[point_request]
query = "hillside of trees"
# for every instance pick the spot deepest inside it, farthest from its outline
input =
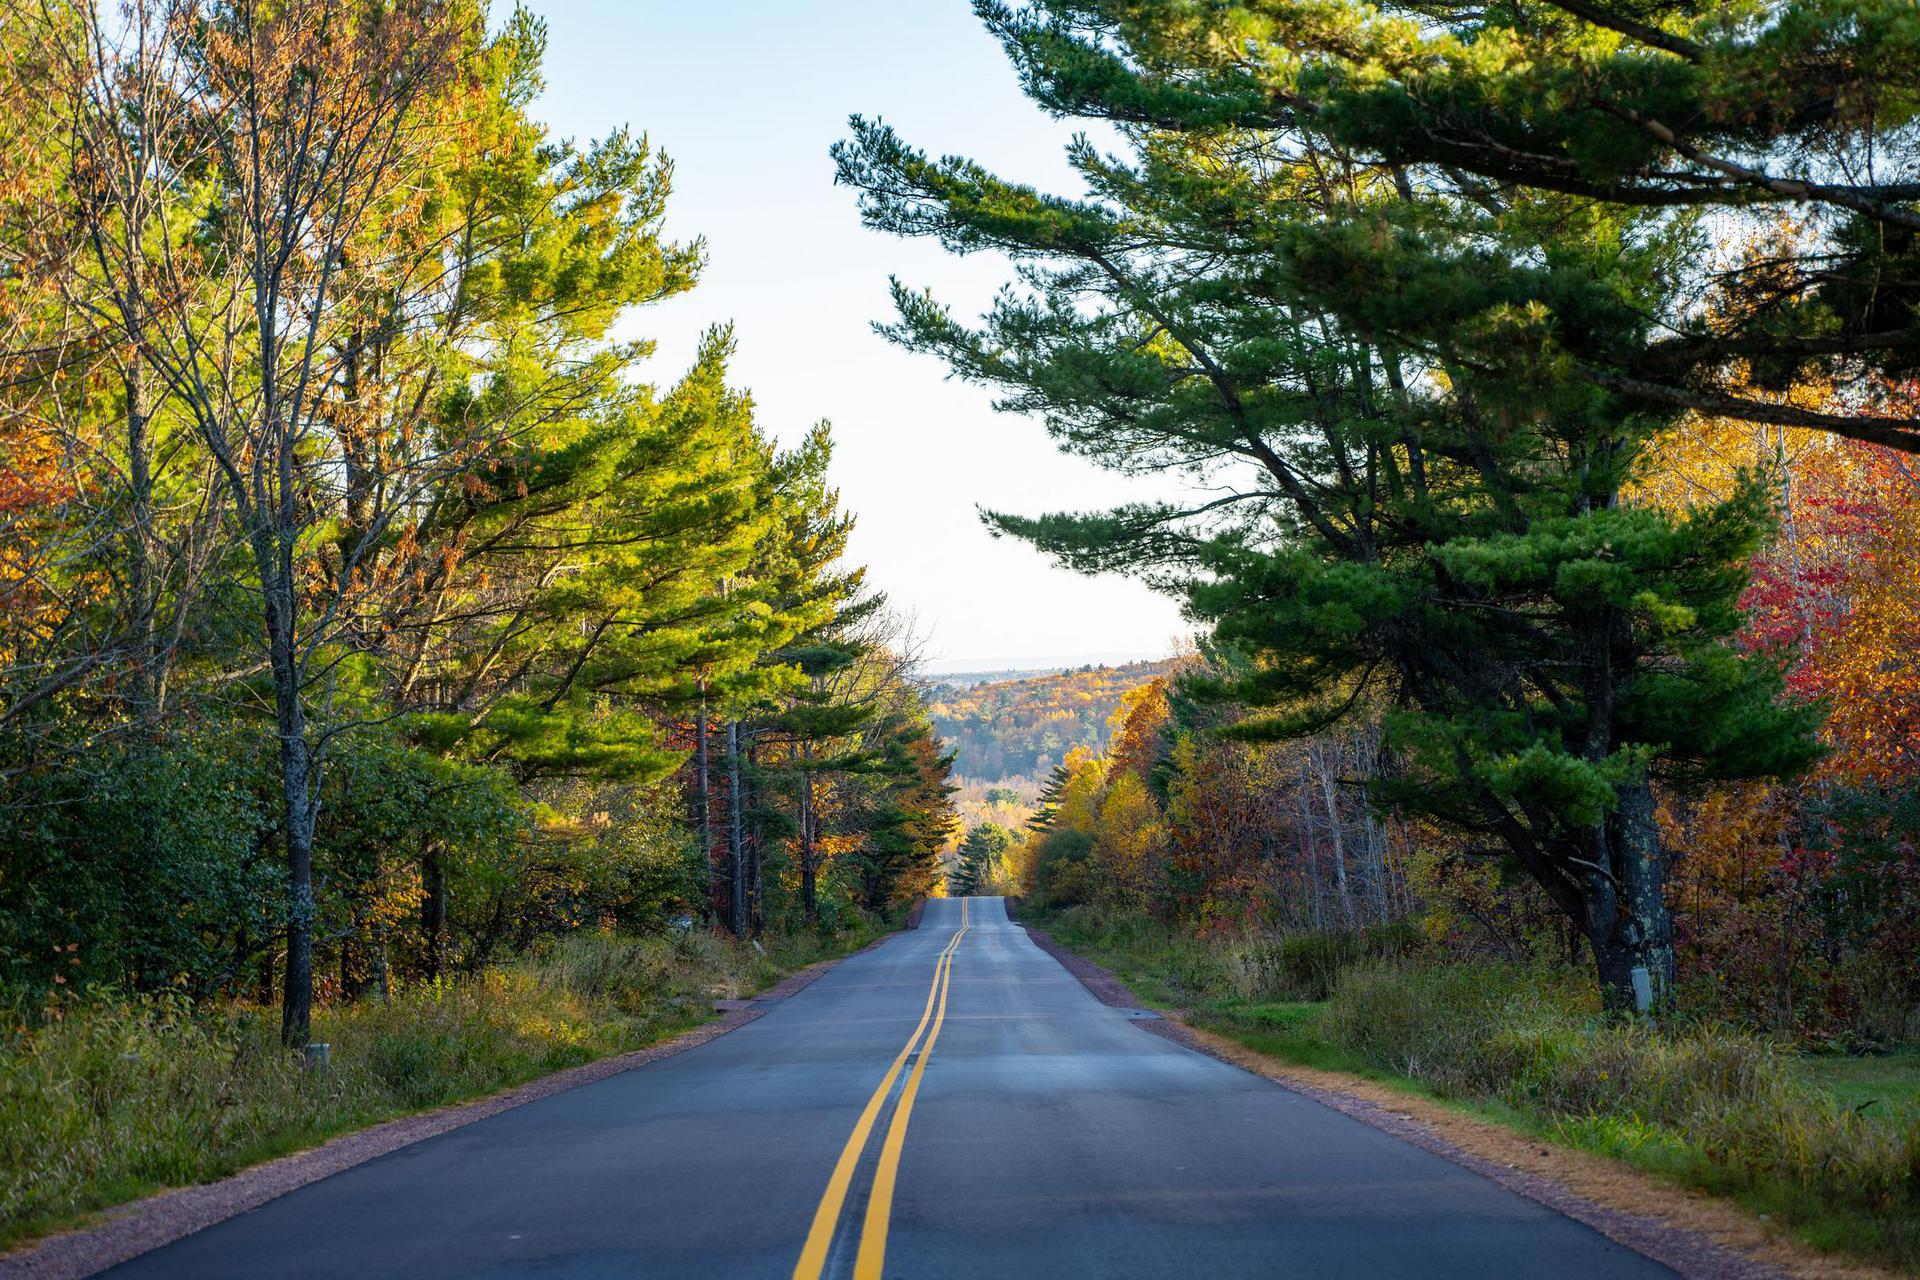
(1014, 731)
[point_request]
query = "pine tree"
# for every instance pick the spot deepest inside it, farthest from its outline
(592, 595)
(982, 855)
(1048, 803)
(1566, 117)
(1415, 512)
(907, 813)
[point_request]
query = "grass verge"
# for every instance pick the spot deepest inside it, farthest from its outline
(109, 1099)
(1827, 1147)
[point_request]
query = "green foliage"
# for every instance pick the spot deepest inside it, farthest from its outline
(623, 859)
(911, 818)
(142, 867)
(417, 690)
(1382, 389)
(1059, 875)
(981, 859)
(1574, 130)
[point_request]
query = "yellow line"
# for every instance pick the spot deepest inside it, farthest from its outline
(873, 1232)
(813, 1256)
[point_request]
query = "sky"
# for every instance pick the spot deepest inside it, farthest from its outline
(746, 96)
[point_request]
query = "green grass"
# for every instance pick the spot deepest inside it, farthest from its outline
(1883, 1087)
(110, 1098)
(1829, 1146)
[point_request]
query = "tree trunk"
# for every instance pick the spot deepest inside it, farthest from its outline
(382, 974)
(756, 915)
(736, 844)
(140, 571)
(809, 901)
(273, 562)
(1627, 922)
(703, 798)
(1323, 768)
(296, 780)
(433, 909)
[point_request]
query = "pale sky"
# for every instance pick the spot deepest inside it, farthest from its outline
(746, 96)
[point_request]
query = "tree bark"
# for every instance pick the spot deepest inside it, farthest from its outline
(433, 909)
(382, 977)
(756, 916)
(703, 799)
(1323, 768)
(296, 778)
(809, 899)
(736, 844)
(1627, 923)
(140, 571)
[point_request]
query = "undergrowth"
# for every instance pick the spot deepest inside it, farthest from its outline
(106, 1098)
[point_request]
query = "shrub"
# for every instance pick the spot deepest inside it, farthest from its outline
(1307, 966)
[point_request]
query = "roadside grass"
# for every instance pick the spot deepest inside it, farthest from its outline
(110, 1098)
(1828, 1146)
(1883, 1087)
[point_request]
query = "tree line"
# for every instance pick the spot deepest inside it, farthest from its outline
(1419, 299)
(365, 610)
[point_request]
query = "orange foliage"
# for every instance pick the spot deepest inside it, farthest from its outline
(1788, 897)
(1837, 594)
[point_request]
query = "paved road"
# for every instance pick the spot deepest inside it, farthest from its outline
(1043, 1135)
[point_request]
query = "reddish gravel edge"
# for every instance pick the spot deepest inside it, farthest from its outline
(141, 1226)
(1688, 1253)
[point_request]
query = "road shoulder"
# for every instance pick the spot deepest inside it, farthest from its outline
(1700, 1237)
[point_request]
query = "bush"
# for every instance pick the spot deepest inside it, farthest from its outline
(1307, 966)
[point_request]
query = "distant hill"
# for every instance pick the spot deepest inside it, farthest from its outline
(968, 679)
(1006, 729)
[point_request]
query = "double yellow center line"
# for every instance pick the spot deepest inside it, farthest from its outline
(873, 1231)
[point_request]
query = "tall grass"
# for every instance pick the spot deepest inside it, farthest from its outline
(108, 1097)
(1254, 966)
(1718, 1107)
(1162, 963)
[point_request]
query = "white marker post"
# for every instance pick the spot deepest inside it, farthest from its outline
(1642, 989)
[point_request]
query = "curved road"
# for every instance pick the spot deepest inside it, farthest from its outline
(1042, 1135)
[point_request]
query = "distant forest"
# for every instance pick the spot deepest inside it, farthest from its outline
(1022, 728)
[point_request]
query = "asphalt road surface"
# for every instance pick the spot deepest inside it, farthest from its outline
(950, 1104)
